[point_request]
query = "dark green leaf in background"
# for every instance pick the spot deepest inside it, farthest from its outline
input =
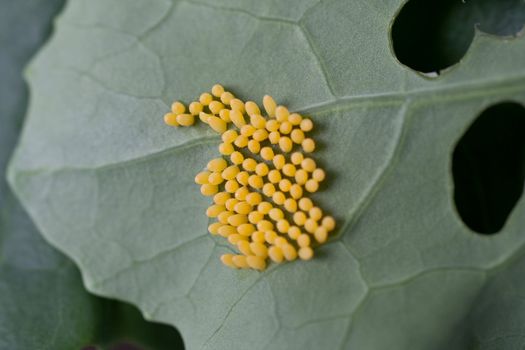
(43, 304)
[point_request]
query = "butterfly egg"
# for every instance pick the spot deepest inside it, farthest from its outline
(237, 118)
(285, 144)
(230, 203)
(257, 237)
(185, 119)
(278, 162)
(264, 225)
(241, 193)
(259, 249)
(231, 186)
(227, 97)
(236, 238)
(249, 164)
(223, 217)
(202, 177)
(276, 214)
(227, 259)
(254, 198)
(320, 234)
(272, 125)
(226, 230)
(289, 252)
(289, 170)
(268, 189)
(240, 261)
(205, 98)
(229, 136)
(283, 226)
(171, 119)
(215, 178)
(244, 247)
(285, 128)
(285, 185)
(258, 121)
(247, 130)
(297, 136)
(217, 90)
(264, 207)
(255, 181)
(256, 262)
(278, 198)
(242, 177)
(236, 158)
(310, 225)
(195, 108)
(318, 175)
(237, 219)
(276, 254)
(308, 164)
(221, 198)
(178, 107)
(296, 191)
(214, 228)
(230, 172)
(294, 232)
(217, 124)
(328, 223)
(306, 253)
(274, 137)
(252, 108)
(214, 210)
(204, 117)
(270, 236)
(301, 176)
(280, 241)
(303, 240)
(315, 213)
(215, 107)
(290, 205)
(267, 153)
(260, 135)
(296, 158)
(299, 218)
(209, 189)
(262, 169)
(217, 164)
(308, 145)
(254, 146)
(226, 149)
(306, 204)
(255, 217)
(281, 113)
(295, 118)
(241, 141)
(243, 208)
(269, 105)
(311, 186)
(237, 105)
(306, 125)
(225, 115)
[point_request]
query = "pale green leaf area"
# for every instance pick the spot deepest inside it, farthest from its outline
(111, 186)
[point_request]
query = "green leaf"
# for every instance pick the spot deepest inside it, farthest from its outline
(111, 186)
(43, 304)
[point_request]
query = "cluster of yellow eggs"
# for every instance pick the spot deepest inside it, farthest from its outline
(259, 183)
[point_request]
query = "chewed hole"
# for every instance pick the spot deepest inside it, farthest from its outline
(488, 167)
(431, 35)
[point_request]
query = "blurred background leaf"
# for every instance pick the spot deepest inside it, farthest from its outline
(43, 304)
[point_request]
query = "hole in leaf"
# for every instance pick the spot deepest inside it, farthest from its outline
(488, 167)
(431, 35)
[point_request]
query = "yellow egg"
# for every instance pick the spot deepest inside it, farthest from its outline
(217, 124)
(267, 153)
(221, 198)
(185, 119)
(252, 108)
(299, 218)
(254, 198)
(308, 164)
(178, 108)
(281, 113)
(209, 190)
(237, 118)
(310, 225)
(205, 98)
(296, 158)
(279, 161)
(249, 164)
(254, 217)
(297, 136)
(294, 232)
(171, 119)
(260, 135)
(296, 191)
(305, 204)
(276, 254)
(240, 261)
(227, 259)
(264, 207)
(285, 144)
(217, 164)
(320, 234)
(237, 158)
(229, 136)
(241, 141)
(328, 223)
(308, 145)
(226, 149)
(295, 119)
(306, 253)
(289, 252)
(274, 137)
(217, 90)
(278, 198)
(215, 178)
(237, 219)
(262, 169)
(230, 172)
(269, 105)
(214, 228)
(311, 186)
(202, 177)
(318, 175)
(290, 205)
(215, 107)
(226, 97)
(255, 181)
(254, 146)
(285, 185)
(306, 125)
(214, 210)
(237, 105)
(272, 125)
(289, 170)
(256, 262)
(242, 177)
(301, 176)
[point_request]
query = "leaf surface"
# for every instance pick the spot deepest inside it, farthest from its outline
(110, 185)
